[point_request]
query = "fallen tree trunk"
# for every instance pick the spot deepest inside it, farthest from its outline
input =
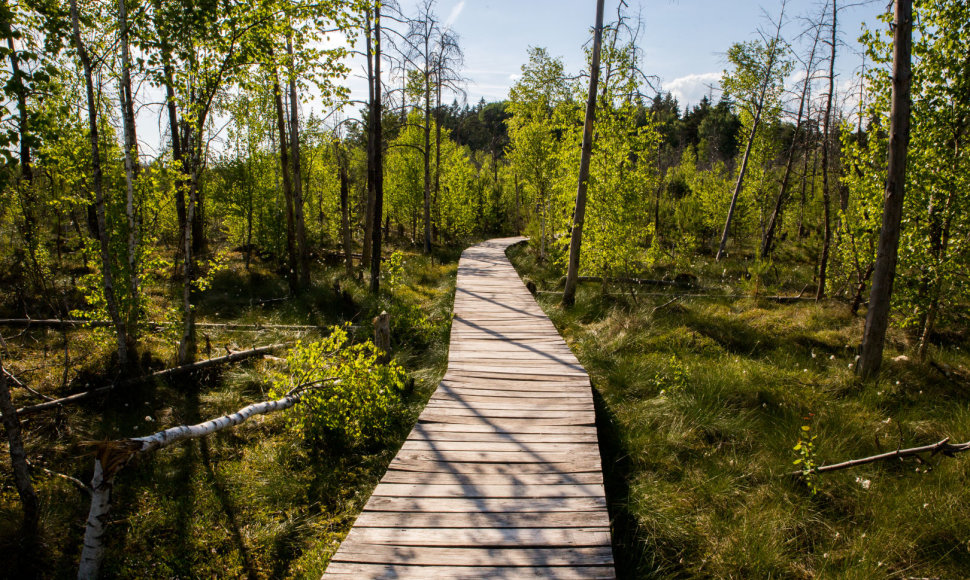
(945, 447)
(640, 281)
(59, 323)
(18, 459)
(112, 456)
(197, 366)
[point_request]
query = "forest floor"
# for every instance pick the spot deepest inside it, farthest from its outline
(701, 401)
(253, 501)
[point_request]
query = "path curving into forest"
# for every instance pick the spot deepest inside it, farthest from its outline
(501, 477)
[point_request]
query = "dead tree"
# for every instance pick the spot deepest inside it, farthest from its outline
(877, 317)
(826, 162)
(576, 240)
(767, 81)
(768, 240)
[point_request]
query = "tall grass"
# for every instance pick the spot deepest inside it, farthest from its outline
(700, 402)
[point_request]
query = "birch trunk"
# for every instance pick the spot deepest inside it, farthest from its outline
(112, 456)
(303, 258)
(131, 176)
(292, 261)
(98, 182)
(18, 457)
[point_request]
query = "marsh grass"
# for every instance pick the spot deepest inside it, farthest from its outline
(251, 502)
(700, 403)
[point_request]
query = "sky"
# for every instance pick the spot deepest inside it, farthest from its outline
(684, 41)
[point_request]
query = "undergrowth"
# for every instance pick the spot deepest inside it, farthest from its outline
(701, 402)
(255, 501)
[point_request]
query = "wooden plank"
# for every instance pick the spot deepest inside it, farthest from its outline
(483, 537)
(492, 556)
(475, 489)
(504, 437)
(486, 505)
(546, 478)
(390, 519)
(511, 446)
(505, 422)
(497, 456)
(402, 572)
(471, 467)
(517, 427)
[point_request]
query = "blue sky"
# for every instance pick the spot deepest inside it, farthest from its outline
(684, 40)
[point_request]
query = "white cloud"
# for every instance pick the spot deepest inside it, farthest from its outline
(690, 89)
(455, 12)
(514, 78)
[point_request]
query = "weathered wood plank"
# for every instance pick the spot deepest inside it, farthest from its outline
(403, 572)
(389, 519)
(482, 537)
(492, 556)
(475, 489)
(486, 505)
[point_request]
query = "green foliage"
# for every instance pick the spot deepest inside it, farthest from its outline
(347, 394)
(805, 449)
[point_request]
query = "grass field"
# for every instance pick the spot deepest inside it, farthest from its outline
(701, 401)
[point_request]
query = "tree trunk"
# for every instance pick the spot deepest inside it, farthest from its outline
(826, 153)
(768, 240)
(292, 264)
(98, 182)
(18, 458)
(576, 239)
(345, 215)
(759, 107)
(132, 168)
(186, 350)
(112, 456)
(371, 143)
(877, 317)
(303, 258)
(427, 149)
(378, 138)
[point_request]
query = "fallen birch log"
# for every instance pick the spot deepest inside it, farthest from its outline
(945, 447)
(112, 456)
(197, 366)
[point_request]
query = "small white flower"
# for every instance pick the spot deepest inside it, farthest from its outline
(850, 365)
(865, 483)
(813, 354)
(926, 505)
(149, 418)
(804, 370)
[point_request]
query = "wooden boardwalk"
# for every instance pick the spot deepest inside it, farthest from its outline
(501, 477)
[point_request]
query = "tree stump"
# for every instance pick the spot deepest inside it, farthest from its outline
(382, 335)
